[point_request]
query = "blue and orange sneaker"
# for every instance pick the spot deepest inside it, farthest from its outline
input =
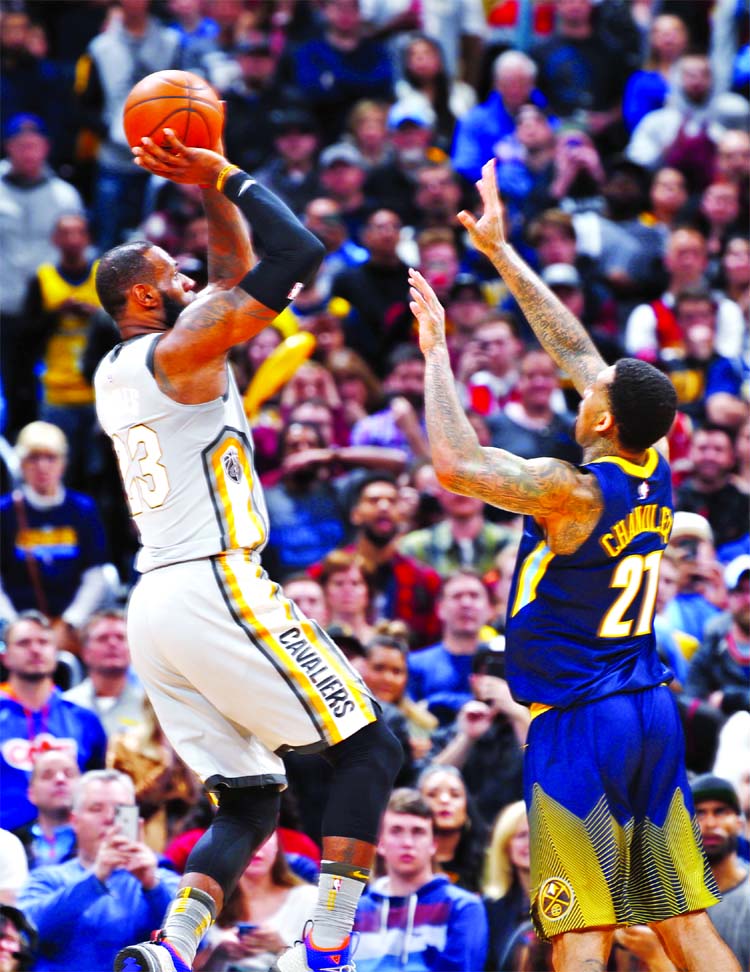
(154, 956)
(306, 957)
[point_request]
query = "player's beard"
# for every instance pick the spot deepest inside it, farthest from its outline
(172, 310)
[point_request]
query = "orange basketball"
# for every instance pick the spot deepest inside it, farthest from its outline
(178, 100)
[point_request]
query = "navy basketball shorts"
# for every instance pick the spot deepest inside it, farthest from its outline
(614, 839)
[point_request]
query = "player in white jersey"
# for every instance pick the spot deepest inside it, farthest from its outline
(236, 673)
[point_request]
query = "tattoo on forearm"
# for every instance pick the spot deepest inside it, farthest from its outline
(541, 487)
(561, 334)
(229, 252)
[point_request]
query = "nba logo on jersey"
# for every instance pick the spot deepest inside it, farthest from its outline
(643, 491)
(232, 465)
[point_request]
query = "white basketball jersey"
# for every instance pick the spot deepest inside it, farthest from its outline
(187, 470)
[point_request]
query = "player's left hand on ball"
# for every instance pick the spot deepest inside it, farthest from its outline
(178, 162)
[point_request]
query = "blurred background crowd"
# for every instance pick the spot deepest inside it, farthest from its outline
(622, 137)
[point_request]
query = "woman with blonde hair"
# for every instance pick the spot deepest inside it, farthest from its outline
(367, 127)
(165, 789)
(506, 881)
(648, 88)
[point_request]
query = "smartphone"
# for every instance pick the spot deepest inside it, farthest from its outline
(245, 927)
(127, 817)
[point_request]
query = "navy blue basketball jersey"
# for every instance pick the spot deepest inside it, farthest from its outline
(580, 626)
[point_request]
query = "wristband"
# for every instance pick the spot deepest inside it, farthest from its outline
(224, 174)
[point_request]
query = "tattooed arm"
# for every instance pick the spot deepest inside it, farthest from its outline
(190, 359)
(560, 333)
(565, 501)
(230, 253)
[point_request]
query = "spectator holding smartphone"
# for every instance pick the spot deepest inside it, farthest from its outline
(486, 738)
(111, 893)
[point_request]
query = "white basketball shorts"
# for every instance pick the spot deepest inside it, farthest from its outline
(236, 673)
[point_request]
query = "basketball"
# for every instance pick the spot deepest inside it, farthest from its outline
(178, 100)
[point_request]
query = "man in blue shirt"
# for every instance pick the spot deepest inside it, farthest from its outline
(34, 716)
(50, 839)
(110, 894)
(440, 674)
(482, 127)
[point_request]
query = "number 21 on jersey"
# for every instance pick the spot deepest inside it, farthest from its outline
(634, 574)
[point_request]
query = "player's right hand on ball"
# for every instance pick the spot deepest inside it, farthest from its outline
(178, 162)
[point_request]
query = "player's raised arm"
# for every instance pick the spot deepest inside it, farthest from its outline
(244, 295)
(545, 488)
(561, 334)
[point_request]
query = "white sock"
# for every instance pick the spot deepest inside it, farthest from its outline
(188, 918)
(339, 890)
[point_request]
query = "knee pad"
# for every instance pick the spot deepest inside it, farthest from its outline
(246, 817)
(365, 766)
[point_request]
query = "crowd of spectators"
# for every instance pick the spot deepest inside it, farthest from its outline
(622, 137)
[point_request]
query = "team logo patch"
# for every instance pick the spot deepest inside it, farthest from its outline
(232, 466)
(555, 899)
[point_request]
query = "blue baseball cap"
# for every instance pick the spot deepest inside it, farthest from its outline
(22, 122)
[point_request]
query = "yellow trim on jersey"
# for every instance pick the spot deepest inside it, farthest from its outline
(538, 708)
(643, 472)
(330, 658)
(534, 567)
(62, 379)
(220, 481)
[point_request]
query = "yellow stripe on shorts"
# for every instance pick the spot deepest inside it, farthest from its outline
(331, 658)
(315, 704)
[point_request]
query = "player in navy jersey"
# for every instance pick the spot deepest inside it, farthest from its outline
(614, 840)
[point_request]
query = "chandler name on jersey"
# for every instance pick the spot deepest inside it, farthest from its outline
(187, 470)
(580, 626)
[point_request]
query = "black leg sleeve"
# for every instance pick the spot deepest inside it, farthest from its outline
(246, 817)
(365, 766)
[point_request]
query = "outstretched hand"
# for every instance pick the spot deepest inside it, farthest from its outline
(428, 311)
(488, 231)
(179, 162)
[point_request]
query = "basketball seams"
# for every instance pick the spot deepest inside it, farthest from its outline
(173, 120)
(173, 99)
(180, 97)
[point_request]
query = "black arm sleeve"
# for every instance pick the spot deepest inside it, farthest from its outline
(291, 253)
